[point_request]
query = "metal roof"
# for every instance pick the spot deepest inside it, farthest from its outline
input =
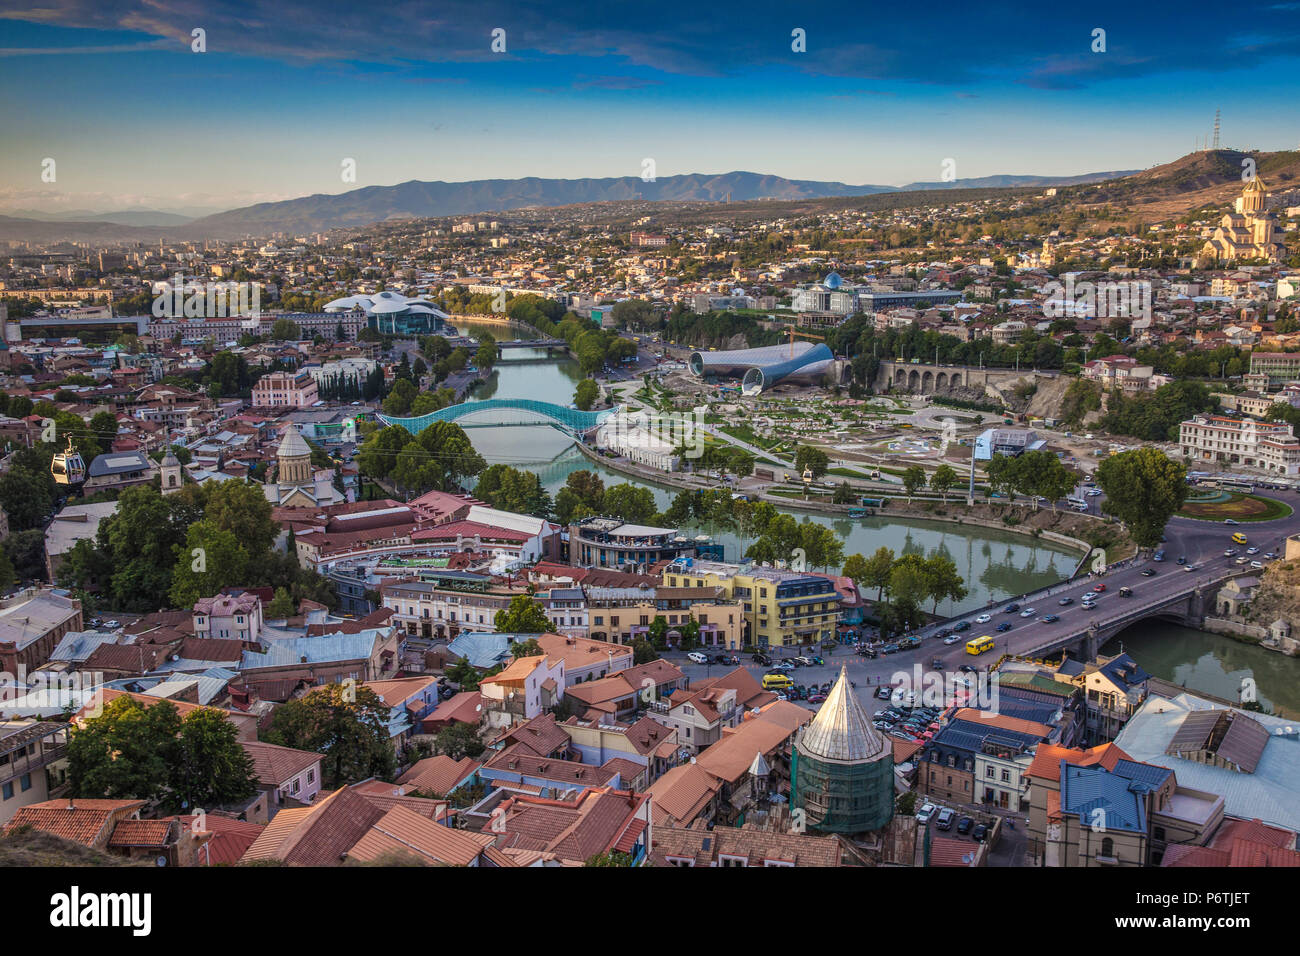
(842, 730)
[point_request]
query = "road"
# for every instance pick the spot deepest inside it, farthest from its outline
(1201, 542)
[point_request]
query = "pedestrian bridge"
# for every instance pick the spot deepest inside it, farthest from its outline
(496, 412)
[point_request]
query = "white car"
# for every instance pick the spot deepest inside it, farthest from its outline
(697, 658)
(1257, 565)
(1252, 550)
(983, 618)
(1028, 612)
(926, 812)
(952, 639)
(1093, 492)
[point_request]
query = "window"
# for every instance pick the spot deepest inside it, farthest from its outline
(733, 861)
(311, 776)
(1107, 848)
(26, 782)
(7, 790)
(1006, 776)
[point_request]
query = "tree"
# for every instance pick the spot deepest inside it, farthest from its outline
(281, 606)
(643, 651)
(209, 768)
(844, 494)
(583, 495)
(346, 724)
(1144, 489)
(610, 858)
(398, 401)
(285, 330)
(876, 569)
(943, 479)
(913, 480)
(510, 489)
(943, 581)
(241, 508)
(125, 753)
(210, 559)
(526, 648)
(458, 741)
(811, 458)
(633, 504)
(585, 395)
(522, 616)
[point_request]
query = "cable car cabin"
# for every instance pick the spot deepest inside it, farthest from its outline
(67, 466)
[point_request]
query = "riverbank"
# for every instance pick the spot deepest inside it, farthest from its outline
(1061, 528)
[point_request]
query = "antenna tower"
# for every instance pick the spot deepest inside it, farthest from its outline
(1216, 129)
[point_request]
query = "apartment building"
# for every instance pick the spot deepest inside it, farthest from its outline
(285, 390)
(445, 604)
(1280, 367)
(1268, 446)
(781, 608)
(29, 750)
(613, 543)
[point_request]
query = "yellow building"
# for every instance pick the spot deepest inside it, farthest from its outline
(781, 608)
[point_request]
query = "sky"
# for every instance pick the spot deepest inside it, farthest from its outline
(282, 94)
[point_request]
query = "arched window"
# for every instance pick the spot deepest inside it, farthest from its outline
(1107, 847)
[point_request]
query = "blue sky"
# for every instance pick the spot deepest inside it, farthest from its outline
(285, 92)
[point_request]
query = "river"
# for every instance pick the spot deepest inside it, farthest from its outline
(994, 564)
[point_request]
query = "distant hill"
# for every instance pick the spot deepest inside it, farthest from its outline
(124, 217)
(418, 199)
(1011, 182)
(1206, 178)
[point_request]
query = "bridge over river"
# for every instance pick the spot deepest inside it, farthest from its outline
(496, 412)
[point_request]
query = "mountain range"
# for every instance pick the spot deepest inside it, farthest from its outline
(419, 199)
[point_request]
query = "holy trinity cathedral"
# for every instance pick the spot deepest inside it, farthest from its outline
(1248, 233)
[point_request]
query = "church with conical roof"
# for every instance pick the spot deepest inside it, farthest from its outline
(843, 768)
(297, 483)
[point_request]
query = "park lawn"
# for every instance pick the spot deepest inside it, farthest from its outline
(1238, 507)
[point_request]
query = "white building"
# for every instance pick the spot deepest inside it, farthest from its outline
(1268, 446)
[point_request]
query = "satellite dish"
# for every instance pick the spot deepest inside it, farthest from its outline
(160, 861)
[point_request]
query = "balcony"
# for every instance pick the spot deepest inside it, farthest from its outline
(20, 764)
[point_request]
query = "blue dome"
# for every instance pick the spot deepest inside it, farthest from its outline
(833, 280)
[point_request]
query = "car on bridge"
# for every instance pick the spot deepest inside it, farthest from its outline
(1065, 601)
(1028, 612)
(1252, 550)
(961, 626)
(1158, 556)
(1099, 588)
(1257, 565)
(1011, 608)
(1126, 592)
(983, 618)
(1148, 572)
(1190, 567)
(1050, 618)
(1004, 627)
(952, 639)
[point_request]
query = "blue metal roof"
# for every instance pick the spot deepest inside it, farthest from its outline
(1085, 790)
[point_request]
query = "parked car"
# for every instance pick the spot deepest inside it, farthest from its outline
(889, 648)
(944, 820)
(761, 659)
(981, 832)
(869, 652)
(112, 624)
(817, 698)
(965, 824)
(925, 813)
(883, 692)
(803, 661)
(696, 657)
